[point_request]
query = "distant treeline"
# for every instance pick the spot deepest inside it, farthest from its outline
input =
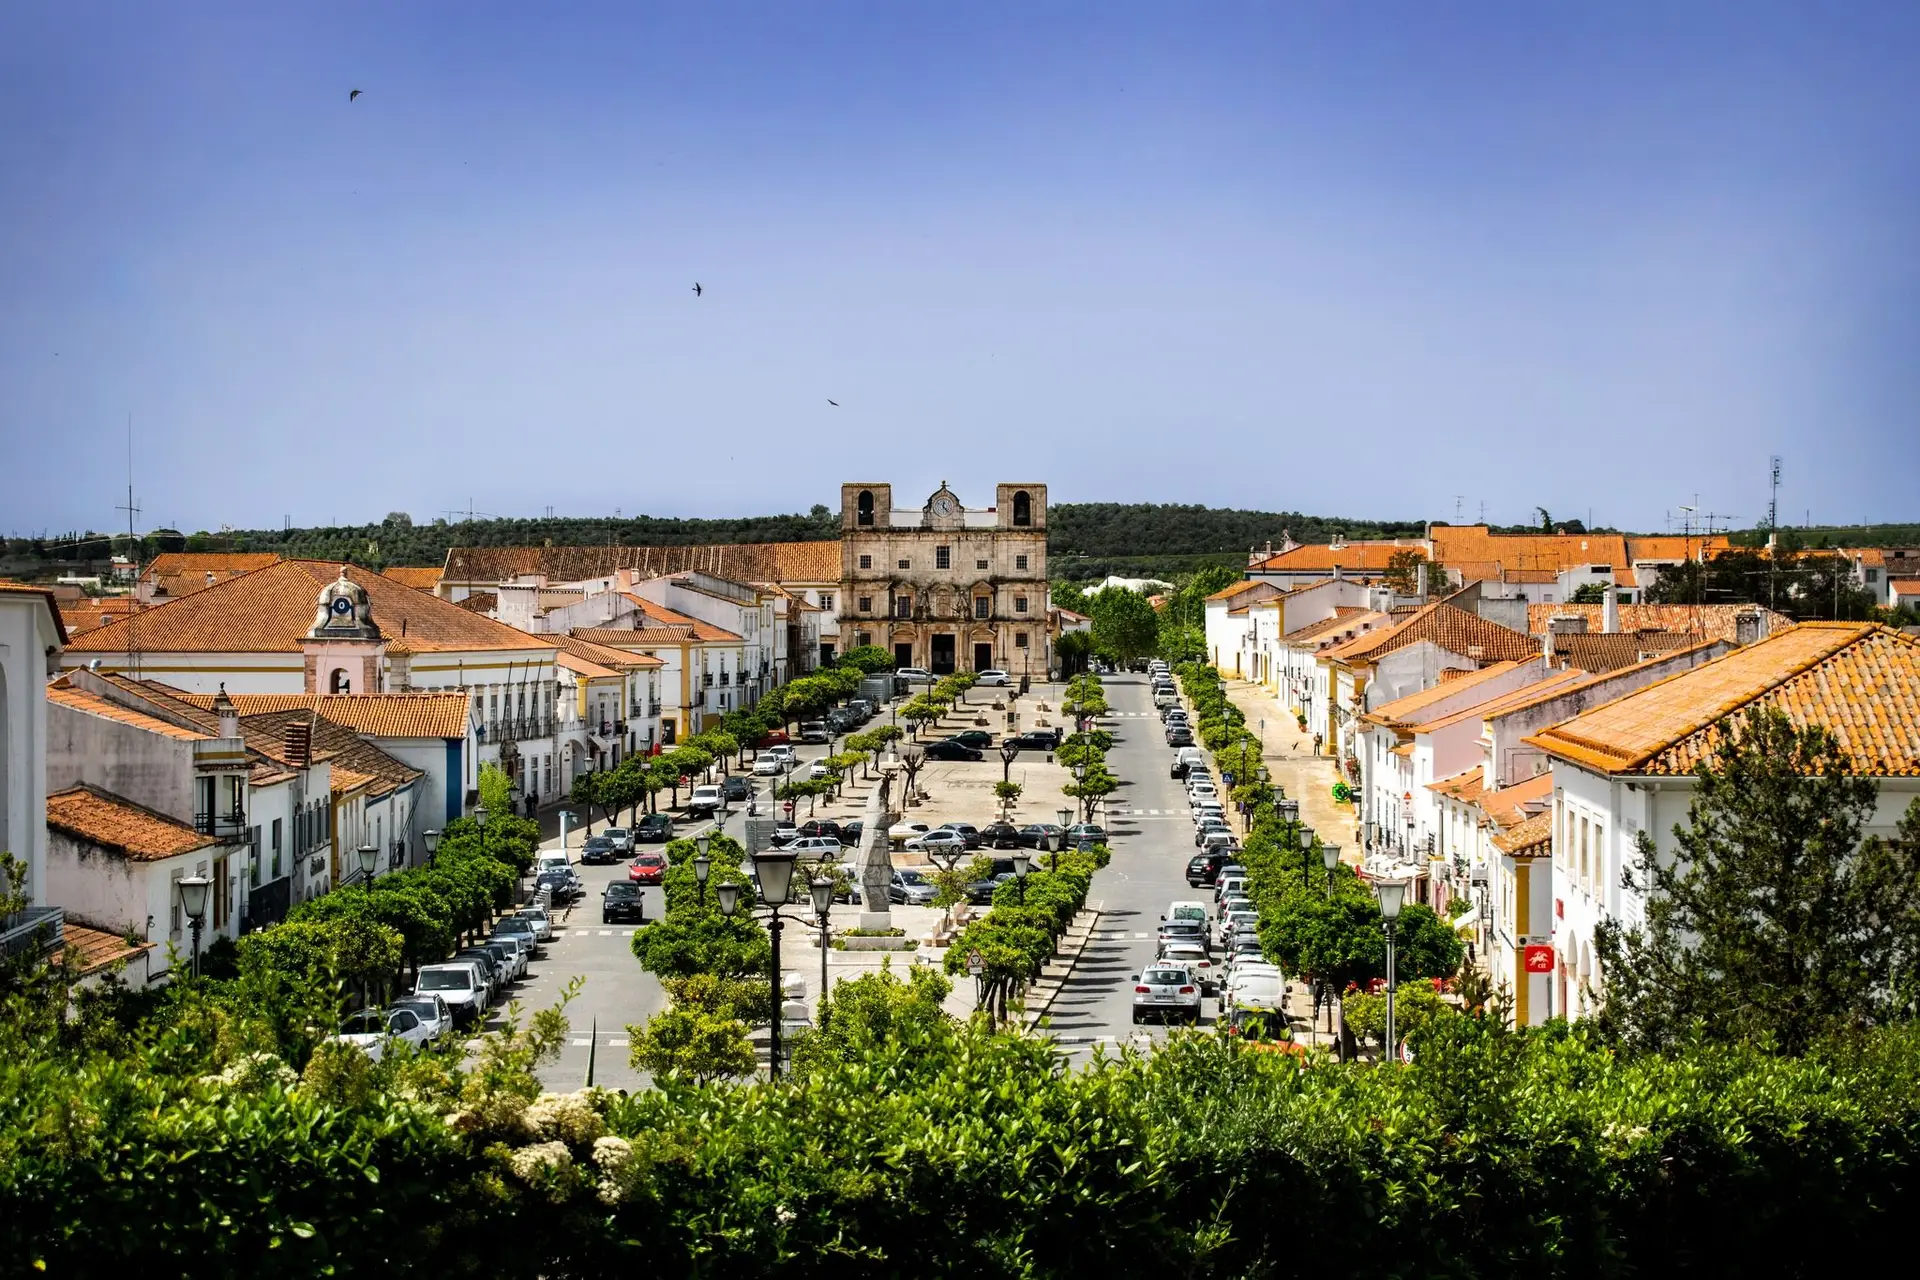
(1087, 540)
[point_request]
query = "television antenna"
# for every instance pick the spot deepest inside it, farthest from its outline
(133, 559)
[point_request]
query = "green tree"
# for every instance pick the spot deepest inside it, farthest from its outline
(1125, 626)
(693, 1041)
(1590, 593)
(1772, 921)
(496, 790)
(870, 659)
(872, 1010)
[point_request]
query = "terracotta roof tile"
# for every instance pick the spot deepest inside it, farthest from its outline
(355, 760)
(1860, 680)
(1675, 548)
(1324, 559)
(638, 637)
(61, 694)
(1450, 627)
(790, 562)
(1716, 621)
(1238, 588)
(601, 654)
(1345, 618)
(1508, 806)
(1406, 710)
(1468, 786)
(182, 573)
(660, 615)
(1499, 703)
(1905, 587)
(591, 670)
(1602, 651)
(1508, 554)
(121, 826)
(419, 578)
(378, 715)
(270, 609)
(1533, 837)
(86, 950)
(482, 602)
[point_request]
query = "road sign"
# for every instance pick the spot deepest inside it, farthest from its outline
(760, 834)
(1539, 959)
(976, 964)
(1406, 1052)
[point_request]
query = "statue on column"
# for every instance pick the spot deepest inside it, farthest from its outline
(874, 858)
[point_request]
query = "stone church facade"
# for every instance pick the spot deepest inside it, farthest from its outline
(946, 586)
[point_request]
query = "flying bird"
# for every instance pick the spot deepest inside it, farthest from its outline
(696, 288)
(834, 403)
(353, 95)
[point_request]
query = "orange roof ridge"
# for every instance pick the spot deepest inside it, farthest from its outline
(113, 822)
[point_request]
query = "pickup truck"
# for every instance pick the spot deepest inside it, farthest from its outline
(703, 799)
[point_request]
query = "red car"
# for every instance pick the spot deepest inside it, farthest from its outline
(648, 868)
(774, 738)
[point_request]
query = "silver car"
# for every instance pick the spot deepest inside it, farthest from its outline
(1166, 991)
(1193, 957)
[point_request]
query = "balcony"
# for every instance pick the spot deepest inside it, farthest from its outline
(37, 929)
(653, 708)
(221, 826)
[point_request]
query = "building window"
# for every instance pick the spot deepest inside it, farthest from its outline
(866, 562)
(866, 604)
(826, 600)
(983, 606)
(903, 606)
(1019, 562)
(943, 557)
(1019, 639)
(1019, 604)
(1022, 508)
(1873, 575)
(276, 848)
(340, 683)
(979, 564)
(864, 514)
(905, 564)
(863, 638)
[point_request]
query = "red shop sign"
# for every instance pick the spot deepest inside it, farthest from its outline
(1539, 959)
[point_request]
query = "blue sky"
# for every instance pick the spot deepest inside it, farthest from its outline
(1348, 259)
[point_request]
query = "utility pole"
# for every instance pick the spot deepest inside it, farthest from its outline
(133, 558)
(1773, 531)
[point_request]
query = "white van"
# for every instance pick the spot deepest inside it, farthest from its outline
(1186, 909)
(1254, 991)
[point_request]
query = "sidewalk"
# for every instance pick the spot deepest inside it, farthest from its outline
(1304, 776)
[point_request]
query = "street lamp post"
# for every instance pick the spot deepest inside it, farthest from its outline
(822, 890)
(1392, 893)
(1021, 865)
(431, 839)
(702, 864)
(1330, 855)
(193, 900)
(1304, 845)
(1065, 816)
(775, 868)
(369, 855)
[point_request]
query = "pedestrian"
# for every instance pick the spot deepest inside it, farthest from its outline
(1316, 744)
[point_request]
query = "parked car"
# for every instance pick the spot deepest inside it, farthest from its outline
(512, 961)
(1193, 931)
(968, 832)
(907, 831)
(1089, 831)
(815, 731)
(521, 926)
(460, 986)
(1205, 826)
(822, 827)
(655, 828)
(648, 868)
(621, 837)
(772, 738)
(432, 1011)
(910, 888)
(598, 849)
(851, 833)
(980, 892)
(819, 769)
(951, 750)
(1040, 835)
(912, 675)
(978, 739)
(1036, 740)
(703, 799)
(542, 924)
(736, 787)
(562, 883)
(1178, 735)
(992, 676)
(816, 848)
(770, 766)
(942, 841)
(622, 900)
(375, 1031)
(1166, 991)
(1000, 835)
(1196, 962)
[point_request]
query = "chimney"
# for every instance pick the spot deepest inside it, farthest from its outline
(1339, 574)
(299, 744)
(1561, 625)
(209, 577)
(1610, 610)
(229, 716)
(1749, 627)
(1420, 580)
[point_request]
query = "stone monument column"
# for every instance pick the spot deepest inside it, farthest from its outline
(875, 855)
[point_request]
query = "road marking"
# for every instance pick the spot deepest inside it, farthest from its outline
(581, 1044)
(1142, 935)
(606, 933)
(618, 1044)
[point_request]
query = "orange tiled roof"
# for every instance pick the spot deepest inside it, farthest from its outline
(660, 615)
(419, 578)
(1458, 546)
(637, 637)
(1601, 651)
(1451, 628)
(1500, 703)
(96, 611)
(482, 602)
(87, 950)
(53, 605)
(1718, 621)
(270, 609)
(121, 826)
(591, 670)
(1904, 587)
(1344, 616)
(181, 573)
(378, 715)
(1406, 710)
(1510, 805)
(1325, 559)
(1238, 588)
(1675, 548)
(355, 761)
(1860, 680)
(1468, 786)
(602, 655)
(61, 693)
(1534, 837)
(799, 562)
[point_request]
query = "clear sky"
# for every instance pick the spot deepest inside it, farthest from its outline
(1355, 259)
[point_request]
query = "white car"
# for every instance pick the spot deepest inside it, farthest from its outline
(782, 750)
(914, 675)
(819, 770)
(907, 830)
(1194, 957)
(941, 841)
(551, 862)
(816, 848)
(542, 925)
(459, 984)
(769, 766)
(703, 799)
(992, 676)
(373, 1031)
(432, 1012)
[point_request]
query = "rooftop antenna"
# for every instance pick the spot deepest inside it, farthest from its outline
(1483, 511)
(1458, 498)
(1773, 502)
(133, 557)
